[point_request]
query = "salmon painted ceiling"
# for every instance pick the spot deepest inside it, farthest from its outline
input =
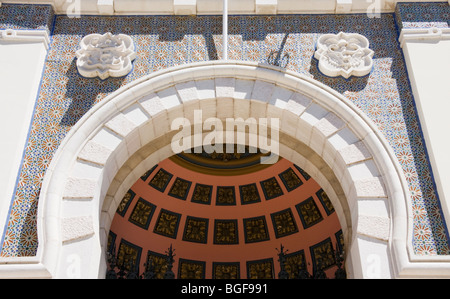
(226, 216)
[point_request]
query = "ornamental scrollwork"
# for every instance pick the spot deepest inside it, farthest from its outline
(105, 55)
(344, 54)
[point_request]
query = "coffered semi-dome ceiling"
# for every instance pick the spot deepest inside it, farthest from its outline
(226, 216)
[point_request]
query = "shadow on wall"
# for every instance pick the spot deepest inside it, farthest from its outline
(83, 93)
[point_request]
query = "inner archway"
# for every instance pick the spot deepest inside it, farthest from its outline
(227, 216)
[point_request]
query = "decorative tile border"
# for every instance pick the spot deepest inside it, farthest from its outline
(26, 16)
(163, 41)
(423, 15)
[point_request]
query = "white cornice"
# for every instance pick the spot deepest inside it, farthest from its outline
(208, 7)
(24, 36)
(423, 34)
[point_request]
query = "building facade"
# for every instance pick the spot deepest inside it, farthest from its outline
(104, 100)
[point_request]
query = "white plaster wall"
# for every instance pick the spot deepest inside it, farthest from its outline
(21, 65)
(428, 63)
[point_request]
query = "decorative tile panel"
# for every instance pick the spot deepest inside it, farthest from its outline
(189, 269)
(271, 188)
(226, 270)
(255, 229)
(225, 196)
(26, 16)
(295, 262)
(158, 262)
(423, 15)
(180, 188)
(226, 232)
(167, 224)
(322, 254)
(325, 200)
(290, 179)
(249, 194)
(260, 269)
(142, 213)
(309, 212)
(284, 223)
(161, 180)
(125, 202)
(128, 255)
(202, 194)
(196, 230)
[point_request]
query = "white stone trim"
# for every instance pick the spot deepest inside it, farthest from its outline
(351, 160)
(214, 7)
(24, 36)
(433, 34)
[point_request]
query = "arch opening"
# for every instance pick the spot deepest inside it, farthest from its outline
(227, 216)
(130, 132)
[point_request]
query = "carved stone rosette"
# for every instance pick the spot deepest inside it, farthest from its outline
(105, 55)
(344, 54)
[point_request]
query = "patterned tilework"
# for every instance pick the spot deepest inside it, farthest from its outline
(164, 41)
(423, 15)
(26, 16)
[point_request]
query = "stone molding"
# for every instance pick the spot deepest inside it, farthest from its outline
(25, 36)
(433, 34)
(209, 7)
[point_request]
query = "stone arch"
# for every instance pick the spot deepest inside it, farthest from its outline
(129, 131)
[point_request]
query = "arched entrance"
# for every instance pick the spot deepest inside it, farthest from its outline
(226, 215)
(129, 132)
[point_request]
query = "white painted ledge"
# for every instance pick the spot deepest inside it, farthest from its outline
(23, 36)
(214, 7)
